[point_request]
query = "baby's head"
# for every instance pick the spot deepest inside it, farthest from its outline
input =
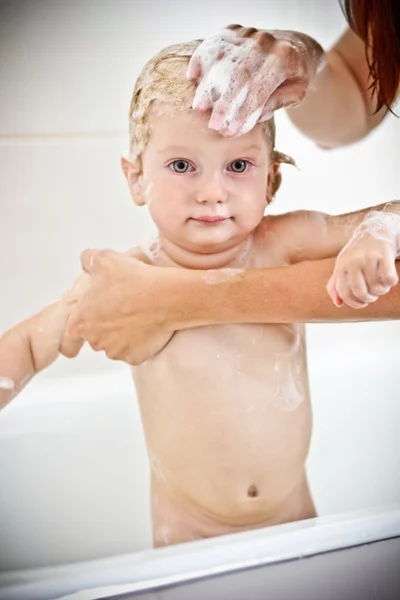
(204, 191)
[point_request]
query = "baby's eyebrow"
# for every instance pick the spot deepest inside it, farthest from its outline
(175, 149)
(252, 148)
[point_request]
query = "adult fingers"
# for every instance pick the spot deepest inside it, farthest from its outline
(71, 342)
(92, 261)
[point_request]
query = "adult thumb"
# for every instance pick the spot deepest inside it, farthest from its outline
(88, 260)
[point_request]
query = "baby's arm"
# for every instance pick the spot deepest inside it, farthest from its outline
(313, 235)
(367, 243)
(32, 345)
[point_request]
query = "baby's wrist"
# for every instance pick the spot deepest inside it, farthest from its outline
(381, 225)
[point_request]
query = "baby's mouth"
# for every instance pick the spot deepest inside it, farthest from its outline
(209, 220)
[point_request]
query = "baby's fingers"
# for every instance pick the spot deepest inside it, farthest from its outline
(380, 274)
(332, 291)
(344, 286)
(386, 275)
(359, 288)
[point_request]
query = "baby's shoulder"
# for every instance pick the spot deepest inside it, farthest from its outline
(289, 224)
(276, 236)
(277, 228)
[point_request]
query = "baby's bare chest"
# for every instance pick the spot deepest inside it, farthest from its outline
(244, 344)
(231, 361)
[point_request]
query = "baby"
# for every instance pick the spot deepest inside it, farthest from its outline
(225, 409)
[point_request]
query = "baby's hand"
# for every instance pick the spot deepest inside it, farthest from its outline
(244, 75)
(365, 268)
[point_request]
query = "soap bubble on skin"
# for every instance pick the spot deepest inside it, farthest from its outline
(155, 466)
(222, 58)
(237, 103)
(220, 73)
(151, 248)
(250, 122)
(147, 193)
(7, 384)
(290, 392)
(24, 381)
(215, 276)
(162, 534)
(380, 225)
(209, 50)
(221, 210)
(224, 61)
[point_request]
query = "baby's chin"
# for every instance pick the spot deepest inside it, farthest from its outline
(205, 256)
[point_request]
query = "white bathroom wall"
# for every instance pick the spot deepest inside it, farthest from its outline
(67, 70)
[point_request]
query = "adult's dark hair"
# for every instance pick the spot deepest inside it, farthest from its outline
(377, 22)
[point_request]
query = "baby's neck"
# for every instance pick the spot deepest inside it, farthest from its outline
(175, 256)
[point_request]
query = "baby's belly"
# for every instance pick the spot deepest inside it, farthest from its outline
(227, 418)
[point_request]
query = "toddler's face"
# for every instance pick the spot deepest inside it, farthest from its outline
(205, 193)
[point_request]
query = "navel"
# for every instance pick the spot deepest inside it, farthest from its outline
(252, 492)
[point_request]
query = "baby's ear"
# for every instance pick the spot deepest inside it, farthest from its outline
(135, 181)
(274, 181)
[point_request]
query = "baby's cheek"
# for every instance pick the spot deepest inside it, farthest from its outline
(165, 211)
(249, 217)
(253, 205)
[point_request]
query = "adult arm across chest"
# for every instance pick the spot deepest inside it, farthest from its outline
(132, 309)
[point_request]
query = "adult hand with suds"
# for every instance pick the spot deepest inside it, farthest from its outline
(334, 97)
(244, 75)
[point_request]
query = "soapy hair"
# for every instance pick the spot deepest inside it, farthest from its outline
(163, 80)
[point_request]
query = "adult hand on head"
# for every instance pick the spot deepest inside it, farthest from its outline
(121, 310)
(245, 74)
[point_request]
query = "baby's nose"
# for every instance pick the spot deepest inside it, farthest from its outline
(212, 190)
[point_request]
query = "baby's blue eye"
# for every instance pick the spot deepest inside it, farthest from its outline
(238, 166)
(180, 166)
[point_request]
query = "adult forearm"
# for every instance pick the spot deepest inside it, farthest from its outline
(333, 112)
(338, 108)
(276, 295)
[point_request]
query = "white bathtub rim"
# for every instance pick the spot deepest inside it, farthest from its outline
(105, 578)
